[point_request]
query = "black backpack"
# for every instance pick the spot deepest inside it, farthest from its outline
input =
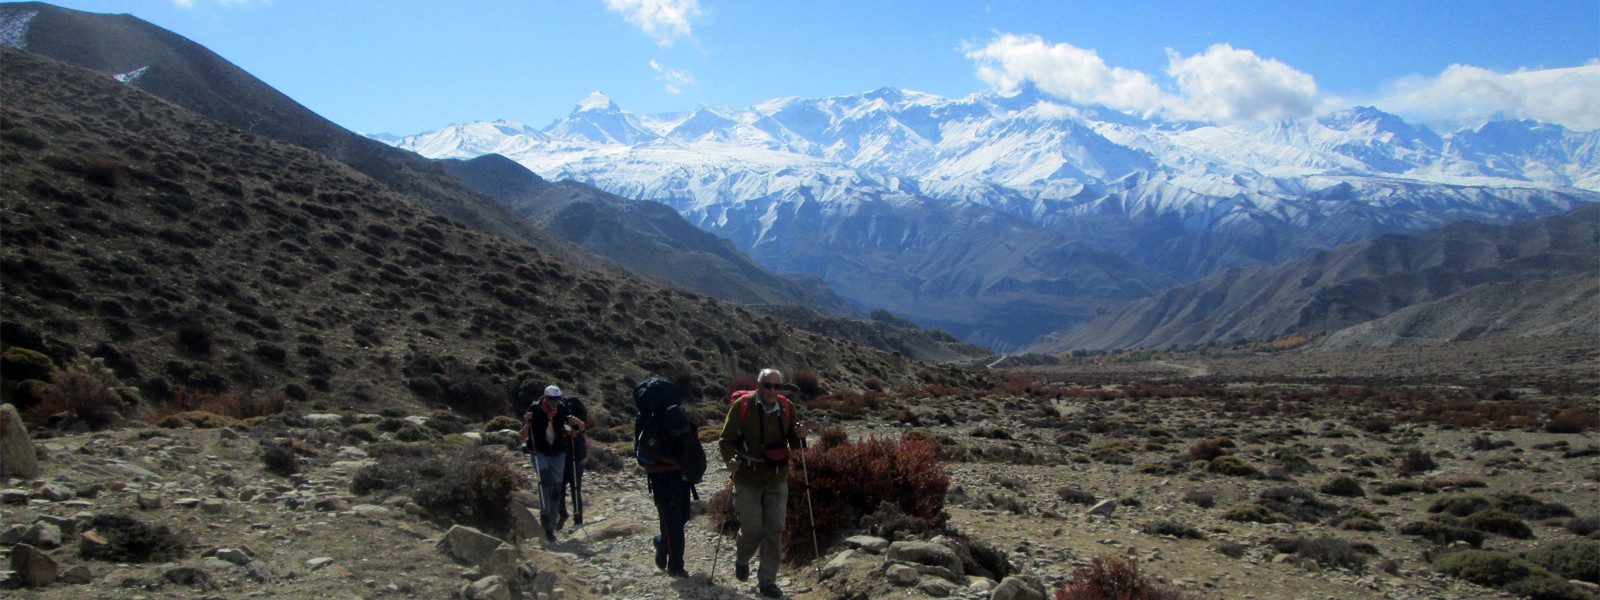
(662, 429)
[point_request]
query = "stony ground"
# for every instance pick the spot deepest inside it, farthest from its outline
(254, 534)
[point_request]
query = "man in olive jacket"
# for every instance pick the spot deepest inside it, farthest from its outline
(757, 435)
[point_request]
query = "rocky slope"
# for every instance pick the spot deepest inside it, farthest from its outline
(1354, 284)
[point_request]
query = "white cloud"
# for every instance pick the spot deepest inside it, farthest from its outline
(675, 79)
(1466, 96)
(664, 20)
(1064, 71)
(1227, 84)
(1220, 84)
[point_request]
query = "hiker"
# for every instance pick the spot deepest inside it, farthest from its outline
(667, 446)
(757, 436)
(549, 425)
(572, 475)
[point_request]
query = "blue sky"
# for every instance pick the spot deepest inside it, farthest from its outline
(408, 66)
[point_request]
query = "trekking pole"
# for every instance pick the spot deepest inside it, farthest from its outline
(717, 554)
(806, 475)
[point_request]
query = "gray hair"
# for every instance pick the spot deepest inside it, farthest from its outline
(765, 372)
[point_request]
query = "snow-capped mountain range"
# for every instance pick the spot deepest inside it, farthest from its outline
(891, 195)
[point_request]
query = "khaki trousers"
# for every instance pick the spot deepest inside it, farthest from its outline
(761, 513)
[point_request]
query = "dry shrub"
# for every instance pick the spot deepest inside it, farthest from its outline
(833, 436)
(131, 540)
(1207, 450)
(279, 458)
(851, 403)
(1574, 419)
(471, 486)
(88, 397)
(807, 382)
(1114, 578)
(854, 479)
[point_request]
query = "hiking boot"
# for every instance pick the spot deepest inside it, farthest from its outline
(661, 552)
(741, 572)
(770, 590)
(561, 521)
(550, 534)
(680, 573)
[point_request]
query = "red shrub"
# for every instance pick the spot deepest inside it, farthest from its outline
(1575, 419)
(1112, 578)
(853, 479)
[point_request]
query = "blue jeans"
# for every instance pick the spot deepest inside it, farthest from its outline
(550, 469)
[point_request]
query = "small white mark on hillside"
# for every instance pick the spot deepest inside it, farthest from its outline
(131, 76)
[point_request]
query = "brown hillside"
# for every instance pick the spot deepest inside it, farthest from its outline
(189, 254)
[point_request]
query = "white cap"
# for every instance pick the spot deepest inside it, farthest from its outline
(552, 391)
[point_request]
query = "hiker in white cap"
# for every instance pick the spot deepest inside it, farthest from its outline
(547, 426)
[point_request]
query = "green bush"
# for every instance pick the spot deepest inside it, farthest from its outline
(279, 458)
(502, 422)
(1296, 503)
(131, 540)
(1231, 465)
(1461, 505)
(1571, 559)
(1254, 513)
(20, 364)
(1488, 567)
(1343, 485)
(1443, 531)
(1174, 529)
(1406, 486)
(1500, 522)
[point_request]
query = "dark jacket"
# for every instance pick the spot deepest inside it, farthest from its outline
(744, 438)
(537, 422)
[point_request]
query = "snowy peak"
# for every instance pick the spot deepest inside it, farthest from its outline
(596, 101)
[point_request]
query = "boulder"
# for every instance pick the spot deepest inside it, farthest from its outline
(902, 575)
(1016, 588)
(875, 545)
(493, 587)
(837, 564)
(926, 553)
(17, 457)
(33, 567)
(937, 588)
(43, 535)
(1103, 509)
(475, 548)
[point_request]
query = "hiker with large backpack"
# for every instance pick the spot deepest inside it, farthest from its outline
(666, 443)
(760, 431)
(547, 429)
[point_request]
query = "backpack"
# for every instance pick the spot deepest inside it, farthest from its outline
(580, 445)
(662, 429)
(745, 396)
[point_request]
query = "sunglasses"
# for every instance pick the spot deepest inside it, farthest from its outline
(770, 386)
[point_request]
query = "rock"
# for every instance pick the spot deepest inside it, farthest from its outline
(1016, 588)
(186, 502)
(926, 553)
(1103, 509)
(940, 572)
(194, 577)
(258, 572)
(324, 420)
(76, 574)
(318, 563)
(148, 501)
(938, 588)
(69, 526)
(902, 575)
(12, 535)
(330, 504)
(837, 564)
(91, 542)
(53, 492)
(42, 535)
(13, 495)
(486, 552)
(875, 545)
(235, 556)
(17, 456)
(981, 584)
(34, 568)
(493, 587)
(126, 471)
(213, 506)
